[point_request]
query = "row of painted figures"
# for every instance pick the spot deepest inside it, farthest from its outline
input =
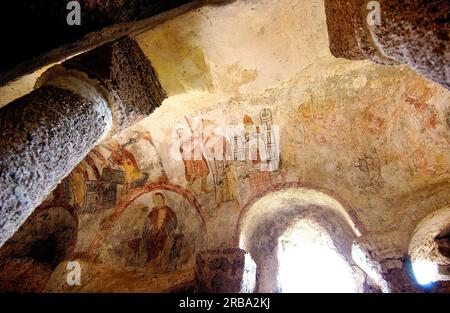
(161, 239)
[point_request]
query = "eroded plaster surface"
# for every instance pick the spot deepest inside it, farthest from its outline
(373, 138)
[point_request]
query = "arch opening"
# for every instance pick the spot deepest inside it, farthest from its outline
(45, 240)
(160, 230)
(429, 250)
(301, 241)
(310, 262)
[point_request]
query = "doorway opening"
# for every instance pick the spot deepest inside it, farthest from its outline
(309, 261)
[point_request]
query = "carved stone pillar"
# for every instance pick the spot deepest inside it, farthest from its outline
(229, 270)
(46, 133)
(413, 32)
(52, 38)
(385, 261)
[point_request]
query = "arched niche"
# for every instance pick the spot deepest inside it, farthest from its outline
(125, 237)
(46, 238)
(429, 248)
(266, 220)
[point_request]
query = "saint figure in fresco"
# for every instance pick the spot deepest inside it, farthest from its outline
(195, 166)
(257, 170)
(159, 230)
(122, 158)
(175, 252)
(220, 157)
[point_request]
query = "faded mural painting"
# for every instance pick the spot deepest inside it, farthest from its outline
(230, 162)
(149, 199)
(159, 231)
(275, 110)
(145, 203)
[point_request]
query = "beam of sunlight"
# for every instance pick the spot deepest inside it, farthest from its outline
(308, 262)
(426, 272)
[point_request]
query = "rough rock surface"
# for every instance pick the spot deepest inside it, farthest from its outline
(103, 278)
(413, 32)
(121, 67)
(374, 138)
(341, 30)
(23, 275)
(44, 136)
(55, 127)
(50, 38)
(227, 270)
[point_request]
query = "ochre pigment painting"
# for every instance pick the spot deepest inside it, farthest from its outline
(225, 147)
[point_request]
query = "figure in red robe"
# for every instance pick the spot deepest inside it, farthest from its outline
(159, 230)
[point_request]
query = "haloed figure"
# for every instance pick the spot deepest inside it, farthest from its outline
(218, 149)
(159, 231)
(195, 166)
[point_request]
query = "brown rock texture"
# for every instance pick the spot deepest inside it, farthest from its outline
(413, 32)
(362, 32)
(349, 33)
(23, 275)
(102, 278)
(121, 68)
(48, 132)
(49, 38)
(416, 32)
(385, 261)
(341, 30)
(228, 270)
(44, 136)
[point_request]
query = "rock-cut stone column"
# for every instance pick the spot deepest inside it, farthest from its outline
(413, 32)
(46, 133)
(383, 258)
(229, 270)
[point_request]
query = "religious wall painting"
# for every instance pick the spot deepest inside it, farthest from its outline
(220, 157)
(262, 166)
(239, 161)
(257, 171)
(369, 177)
(230, 170)
(111, 170)
(225, 184)
(160, 231)
(195, 168)
(92, 200)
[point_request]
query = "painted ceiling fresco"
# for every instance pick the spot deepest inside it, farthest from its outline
(238, 124)
(152, 197)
